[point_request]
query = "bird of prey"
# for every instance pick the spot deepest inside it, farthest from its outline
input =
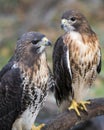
(76, 61)
(24, 83)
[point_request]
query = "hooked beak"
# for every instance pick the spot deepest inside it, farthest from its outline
(46, 42)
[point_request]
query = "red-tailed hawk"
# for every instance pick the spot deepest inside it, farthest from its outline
(24, 83)
(76, 61)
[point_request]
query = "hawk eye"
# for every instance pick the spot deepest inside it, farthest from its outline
(34, 41)
(73, 19)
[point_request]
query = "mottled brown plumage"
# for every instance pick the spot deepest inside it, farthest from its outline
(24, 83)
(76, 59)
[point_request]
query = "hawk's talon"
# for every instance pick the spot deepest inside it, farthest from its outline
(37, 127)
(82, 105)
(74, 106)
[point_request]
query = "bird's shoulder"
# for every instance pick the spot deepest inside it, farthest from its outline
(11, 77)
(7, 67)
(59, 47)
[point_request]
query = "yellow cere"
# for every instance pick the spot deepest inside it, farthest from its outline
(45, 39)
(64, 21)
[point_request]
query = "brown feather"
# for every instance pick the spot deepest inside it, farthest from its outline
(84, 56)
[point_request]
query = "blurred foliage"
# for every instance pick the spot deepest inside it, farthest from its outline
(11, 6)
(7, 5)
(19, 16)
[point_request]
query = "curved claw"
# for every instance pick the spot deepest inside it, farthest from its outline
(83, 104)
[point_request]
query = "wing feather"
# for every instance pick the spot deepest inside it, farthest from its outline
(99, 64)
(61, 71)
(10, 97)
(7, 67)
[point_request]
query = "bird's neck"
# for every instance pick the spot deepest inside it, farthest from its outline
(75, 38)
(32, 63)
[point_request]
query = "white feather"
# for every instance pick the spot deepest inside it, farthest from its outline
(15, 66)
(28, 117)
(68, 62)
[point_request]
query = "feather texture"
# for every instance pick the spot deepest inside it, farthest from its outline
(82, 65)
(24, 84)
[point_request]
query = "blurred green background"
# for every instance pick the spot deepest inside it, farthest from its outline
(19, 16)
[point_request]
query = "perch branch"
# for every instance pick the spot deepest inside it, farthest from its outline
(68, 119)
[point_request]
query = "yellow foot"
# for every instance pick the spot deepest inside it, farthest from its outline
(74, 106)
(82, 105)
(38, 127)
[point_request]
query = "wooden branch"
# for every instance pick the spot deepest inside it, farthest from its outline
(68, 119)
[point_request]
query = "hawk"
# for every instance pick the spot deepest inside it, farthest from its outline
(24, 83)
(76, 61)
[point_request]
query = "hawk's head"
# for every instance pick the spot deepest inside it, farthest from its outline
(30, 46)
(73, 20)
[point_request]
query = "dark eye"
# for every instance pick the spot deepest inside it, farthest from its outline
(73, 19)
(34, 41)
